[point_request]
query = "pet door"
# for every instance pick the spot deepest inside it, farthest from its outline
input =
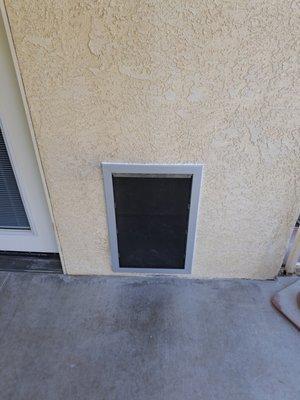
(152, 212)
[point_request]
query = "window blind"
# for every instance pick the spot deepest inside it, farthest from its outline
(12, 212)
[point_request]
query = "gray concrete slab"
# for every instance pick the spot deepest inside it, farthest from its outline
(119, 338)
(287, 301)
(3, 278)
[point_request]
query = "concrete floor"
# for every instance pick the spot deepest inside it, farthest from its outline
(120, 338)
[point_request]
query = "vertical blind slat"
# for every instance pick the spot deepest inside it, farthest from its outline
(12, 212)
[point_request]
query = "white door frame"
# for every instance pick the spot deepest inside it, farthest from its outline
(31, 130)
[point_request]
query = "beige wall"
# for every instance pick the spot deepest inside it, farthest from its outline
(167, 81)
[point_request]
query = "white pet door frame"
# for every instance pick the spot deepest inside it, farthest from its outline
(154, 219)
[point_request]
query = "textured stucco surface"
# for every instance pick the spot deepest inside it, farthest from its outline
(177, 81)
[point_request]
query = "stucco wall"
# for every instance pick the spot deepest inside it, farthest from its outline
(167, 81)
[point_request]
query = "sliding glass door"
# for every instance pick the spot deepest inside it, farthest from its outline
(25, 223)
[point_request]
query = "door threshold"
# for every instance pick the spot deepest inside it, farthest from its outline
(14, 261)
